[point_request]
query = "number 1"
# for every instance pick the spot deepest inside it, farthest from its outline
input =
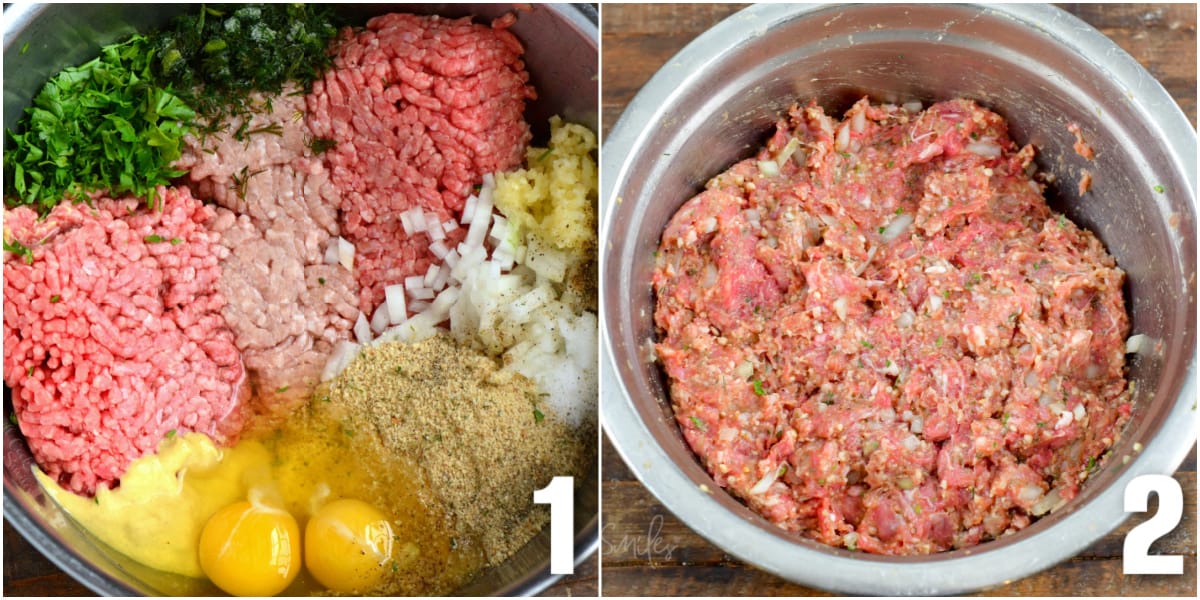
(560, 495)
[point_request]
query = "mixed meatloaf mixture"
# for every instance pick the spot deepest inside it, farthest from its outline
(879, 336)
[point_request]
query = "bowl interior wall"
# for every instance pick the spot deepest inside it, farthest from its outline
(727, 109)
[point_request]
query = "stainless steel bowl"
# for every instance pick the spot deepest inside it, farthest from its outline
(562, 56)
(715, 102)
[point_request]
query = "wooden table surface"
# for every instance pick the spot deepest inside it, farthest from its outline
(646, 551)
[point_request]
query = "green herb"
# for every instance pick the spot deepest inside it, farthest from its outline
(320, 145)
(758, 388)
(1091, 464)
(938, 342)
(882, 229)
(1062, 222)
(55, 299)
(282, 389)
(900, 210)
(545, 154)
(242, 180)
(170, 434)
(852, 545)
(220, 61)
(29, 372)
(17, 248)
(176, 241)
(153, 239)
(321, 280)
(395, 567)
(946, 294)
(242, 132)
(699, 424)
(96, 499)
(821, 481)
(105, 124)
(349, 432)
(12, 418)
(1041, 424)
(24, 48)
(1159, 188)
(538, 416)
(974, 135)
(867, 345)
(917, 508)
(1005, 420)
(891, 163)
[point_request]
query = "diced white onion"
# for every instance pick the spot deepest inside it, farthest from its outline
(413, 282)
(331, 253)
(910, 443)
(764, 484)
(341, 357)
(1137, 343)
(421, 293)
(412, 220)
(449, 225)
(450, 259)
(768, 168)
(381, 319)
(362, 329)
(898, 226)
(840, 307)
(345, 253)
(859, 122)
(843, 138)
(1049, 502)
(439, 249)
(469, 209)
(430, 275)
(935, 302)
(984, 149)
(1029, 494)
(788, 149)
(394, 300)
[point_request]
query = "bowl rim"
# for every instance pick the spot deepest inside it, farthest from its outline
(807, 562)
(581, 17)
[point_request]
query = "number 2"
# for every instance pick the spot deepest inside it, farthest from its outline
(560, 495)
(1137, 558)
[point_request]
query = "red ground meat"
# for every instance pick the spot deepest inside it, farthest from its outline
(421, 108)
(892, 344)
(113, 335)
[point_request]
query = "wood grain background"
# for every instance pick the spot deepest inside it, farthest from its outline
(646, 551)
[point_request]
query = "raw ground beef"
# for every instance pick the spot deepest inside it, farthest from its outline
(891, 344)
(420, 107)
(113, 336)
(286, 306)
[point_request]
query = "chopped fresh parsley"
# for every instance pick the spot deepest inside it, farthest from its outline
(758, 388)
(17, 248)
(321, 280)
(1062, 222)
(24, 47)
(545, 154)
(55, 299)
(1091, 464)
(538, 416)
(938, 342)
(867, 345)
(699, 424)
(29, 372)
(1159, 188)
(320, 145)
(170, 434)
(153, 239)
(105, 124)
(176, 241)
(282, 389)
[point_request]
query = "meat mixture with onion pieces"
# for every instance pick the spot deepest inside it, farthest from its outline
(880, 337)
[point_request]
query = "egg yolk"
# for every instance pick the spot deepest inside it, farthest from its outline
(348, 546)
(251, 550)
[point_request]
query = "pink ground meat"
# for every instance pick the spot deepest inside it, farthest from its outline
(892, 344)
(113, 335)
(278, 213)
(420, 107)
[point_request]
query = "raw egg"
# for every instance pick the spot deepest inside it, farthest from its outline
(251, 549)
(348, 546)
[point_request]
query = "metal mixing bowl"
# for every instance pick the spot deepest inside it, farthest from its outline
(562, 57)
(716, 101)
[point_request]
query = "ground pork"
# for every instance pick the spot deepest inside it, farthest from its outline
(879, 336)
(286, 306)
(113, 336)
(420, 108)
